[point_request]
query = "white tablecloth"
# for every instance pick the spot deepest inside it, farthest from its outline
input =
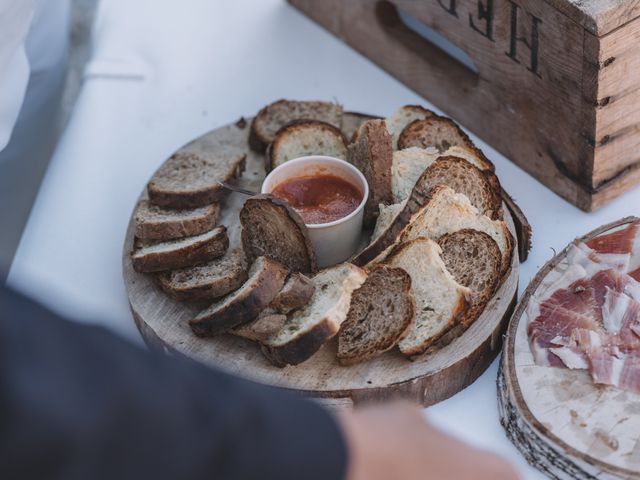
(164, 72)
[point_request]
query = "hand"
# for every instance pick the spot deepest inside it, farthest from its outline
(395, 441)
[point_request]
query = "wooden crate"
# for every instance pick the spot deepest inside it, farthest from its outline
(557, 87)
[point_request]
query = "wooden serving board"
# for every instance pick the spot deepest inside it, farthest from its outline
(163, 323)
(564, 424)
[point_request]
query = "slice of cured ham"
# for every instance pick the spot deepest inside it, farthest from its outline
(589, 316)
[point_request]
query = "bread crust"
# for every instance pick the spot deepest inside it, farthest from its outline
(246, 305)
(193, 254)
(299, 230)
(292, 128)
(302, 347)
(170, 229)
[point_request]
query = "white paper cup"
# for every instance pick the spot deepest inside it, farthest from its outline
(336, 241)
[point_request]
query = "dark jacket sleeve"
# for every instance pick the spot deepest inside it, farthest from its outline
(79, 403)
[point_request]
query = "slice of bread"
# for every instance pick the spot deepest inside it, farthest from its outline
(475, 261)
(190, 180)
(266, 278)
(149, 256)
(372, 154)
(208, 281)
(471, 154)
(440, 300)
(407, 167)
(268, 323)
(434, 131)
(295, 293)
(305, 137)
(464, 178)
(158, 223)
(276, 115)
(270, 227)
(402, 117)
(309, 328)
(387, 215)
(381, 312)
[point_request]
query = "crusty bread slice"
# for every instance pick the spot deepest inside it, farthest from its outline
(372, 154)
(386, 216)
(266, 278)
(434, 131)
(471, 154)
(475, 261)
(270, 227)
(440, 300)
(407, 167)
(402, 117)
(158, 223)
(208, 281)
(309, 328)
(381, 312)
(149, 256)
(189, 180)
(296, 293)
(464, 178)
(276, 115)
(305, 137)
(268, 323)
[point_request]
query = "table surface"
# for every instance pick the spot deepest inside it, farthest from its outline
(157, 81)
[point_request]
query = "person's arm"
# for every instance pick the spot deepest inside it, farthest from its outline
(78, 402)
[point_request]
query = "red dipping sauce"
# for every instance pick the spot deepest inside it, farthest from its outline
(319, 198)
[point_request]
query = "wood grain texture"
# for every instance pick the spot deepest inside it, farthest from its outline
(567, 114)
(162, 322)
(564, 425)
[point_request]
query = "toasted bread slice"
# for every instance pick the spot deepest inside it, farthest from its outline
(270, 227)
(305, 137)
(402, 117)
(372, 154)
(276, 115)
(435, 131)
(266, 278)
(475, 261)
(440, 300)
(190, 180)
(208, 281)
(158, 223)
(149, 256)
(309, 328)
(381, 312)
(296, 293)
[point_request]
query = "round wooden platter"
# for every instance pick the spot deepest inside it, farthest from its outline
(163, 323)
(564, 424)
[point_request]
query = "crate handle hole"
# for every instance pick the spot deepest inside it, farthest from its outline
(424, 40)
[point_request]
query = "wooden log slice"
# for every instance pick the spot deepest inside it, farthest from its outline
(565, 425)
(162, 321)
